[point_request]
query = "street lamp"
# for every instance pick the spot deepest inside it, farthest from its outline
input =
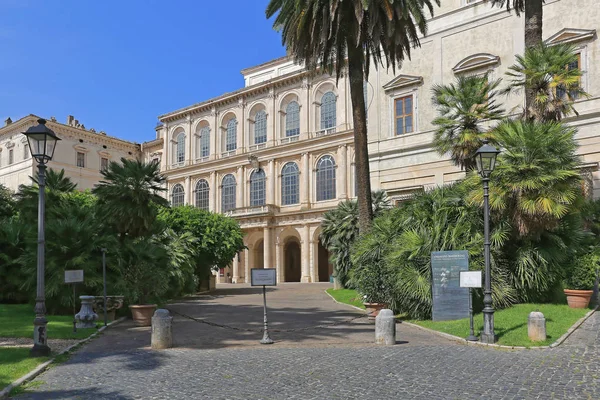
(485, 159)
(42, 142)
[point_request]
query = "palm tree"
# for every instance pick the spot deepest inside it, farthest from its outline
(546, 72)
(463, 107)
(129, 196)
(57, 185)
(338, 34)
(7, 202)
(535, 182)
(534, 13)
(340, 229)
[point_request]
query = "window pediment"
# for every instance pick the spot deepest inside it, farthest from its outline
(10, 145)
(402, 81)
(476, 61)
(81, 148)
(569, 35)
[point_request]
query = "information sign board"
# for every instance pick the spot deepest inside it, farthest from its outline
(470, 279)
(450, 301)
(74, 276)
(263, 277)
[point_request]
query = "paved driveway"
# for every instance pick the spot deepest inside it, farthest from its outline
(323, 351)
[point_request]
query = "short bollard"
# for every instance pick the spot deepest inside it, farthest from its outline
(536, 326)
(162, 335)
(385, 327)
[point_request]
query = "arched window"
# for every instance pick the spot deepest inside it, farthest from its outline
(257, 188)
(292, 119)
(180, 148)
(231, 136)
(328, 111)
(204, 142)
(202, 191)
(260, 127)
(326, 178)
(177, 196)
(290, 187)
(228, 193)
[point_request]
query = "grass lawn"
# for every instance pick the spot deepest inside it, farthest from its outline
(511, 324)
(347, 296)
(14, 363)
(16, 320)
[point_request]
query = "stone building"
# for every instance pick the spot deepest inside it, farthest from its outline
(278, 153)
(82, 152)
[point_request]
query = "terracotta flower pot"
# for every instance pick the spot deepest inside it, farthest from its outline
(374, 308)
(578, 298)
(142, 314)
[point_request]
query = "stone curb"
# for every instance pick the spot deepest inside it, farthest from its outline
(557, 343)
(346, 304)
(42, 367)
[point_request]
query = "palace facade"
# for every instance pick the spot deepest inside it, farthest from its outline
(278, 153)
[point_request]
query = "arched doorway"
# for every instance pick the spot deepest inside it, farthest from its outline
(325, 267)
(291, 254)
(259, 255)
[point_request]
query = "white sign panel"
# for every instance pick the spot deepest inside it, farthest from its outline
(470, 279)
(74, 276)
(263, 277)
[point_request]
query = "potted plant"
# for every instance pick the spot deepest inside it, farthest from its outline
(369, 282)
(144, 277)
(580, 281)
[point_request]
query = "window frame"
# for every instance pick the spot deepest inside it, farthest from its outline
(180, 147)
(258, 188)
(322, 188)
(404, 115)
(262, 124)
(233, 195)
(332, 110)
(180, 195)
(79, 154)
(290, 190)
(230, 133)
(413, 91)
(294, 125)
(102, 161)
(204, 142)
(202, 195)
(11, 156)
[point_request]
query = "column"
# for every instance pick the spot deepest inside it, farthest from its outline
(305, 244)
(274, 135)
(212, 194)
(236, 269)
(305, 186)
(278, 264)
(187, 187)
(215, 131)
(239, 190)
(267, 247)
(241, 141)
(166, 149)
(314, 260)
(248, 252)
(271, 177)
(342, 173)
(190, 143)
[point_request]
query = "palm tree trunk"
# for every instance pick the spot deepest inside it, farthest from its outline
(534, 13)
(359, 117)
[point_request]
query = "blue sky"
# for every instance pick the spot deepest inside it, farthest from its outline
(117, 65)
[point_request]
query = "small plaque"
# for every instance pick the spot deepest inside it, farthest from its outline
(74, 276)
(470, 279)
(263, 277)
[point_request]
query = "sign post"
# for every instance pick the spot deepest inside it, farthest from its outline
(450, 301)
(74, 277)
(471, 279)
(264, 277)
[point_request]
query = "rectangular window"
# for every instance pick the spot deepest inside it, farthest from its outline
(561, 90)
(103, 164)
(26, 152)
(11, 156)
(80, 159)
(403, 115)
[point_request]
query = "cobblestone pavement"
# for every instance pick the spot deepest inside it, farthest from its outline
(311, 361)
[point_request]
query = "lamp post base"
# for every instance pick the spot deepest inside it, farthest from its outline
(39, 350)
(472, 338)
(266, 339)
(487, 338)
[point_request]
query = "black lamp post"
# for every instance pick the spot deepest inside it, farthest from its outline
(42, 142)
(485, 158)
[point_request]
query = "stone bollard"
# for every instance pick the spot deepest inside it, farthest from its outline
(536, 326)
(385, 327)
(162, 335)
(86, 317)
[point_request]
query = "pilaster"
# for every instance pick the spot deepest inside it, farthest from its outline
(305, 250)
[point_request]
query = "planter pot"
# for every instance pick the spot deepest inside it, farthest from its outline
(373, 309)
(578, 298)
(142, 314)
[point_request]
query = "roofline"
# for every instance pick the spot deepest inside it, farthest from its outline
(229, 96)
(275, 61)
(87, 131)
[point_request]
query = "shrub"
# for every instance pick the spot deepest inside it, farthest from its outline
(582, 275)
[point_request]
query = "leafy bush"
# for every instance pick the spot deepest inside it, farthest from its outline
(582, 274)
